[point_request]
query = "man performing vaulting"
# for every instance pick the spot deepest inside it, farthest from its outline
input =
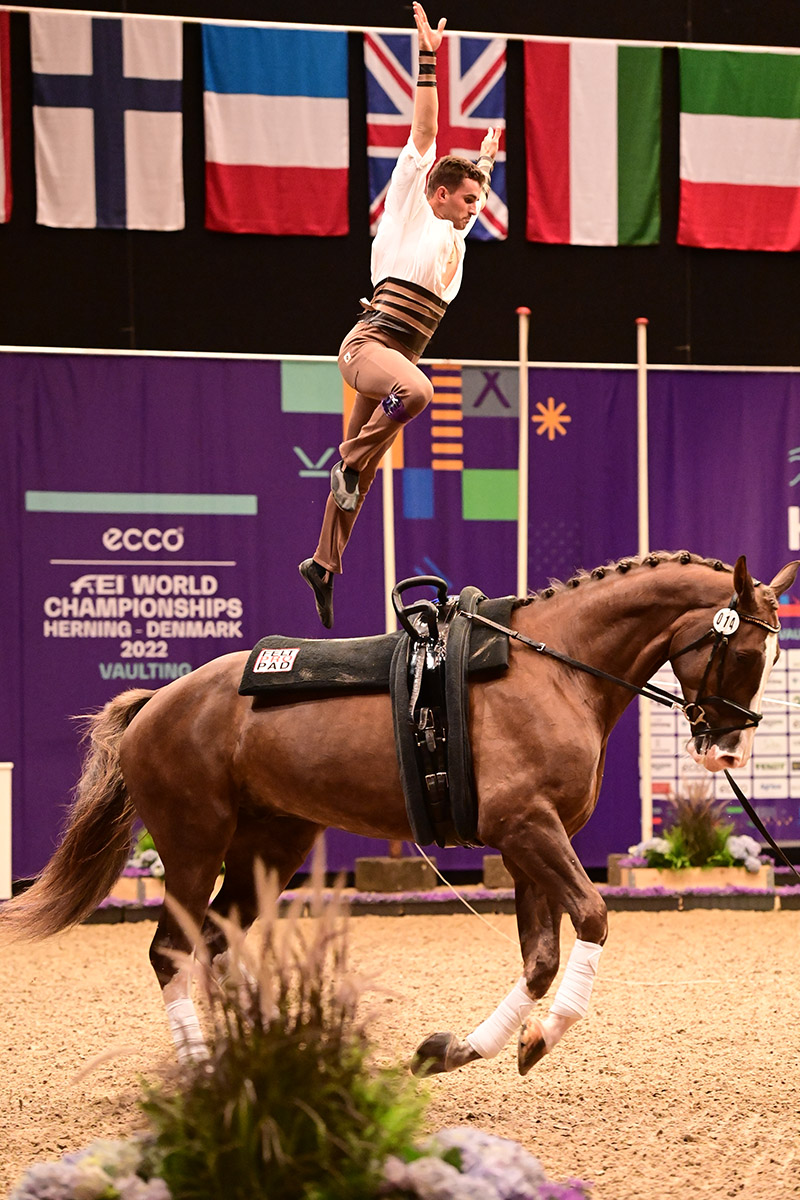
(417, 263)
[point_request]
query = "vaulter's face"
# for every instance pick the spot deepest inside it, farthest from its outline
(459, 206)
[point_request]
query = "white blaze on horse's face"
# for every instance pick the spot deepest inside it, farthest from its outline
(735, 749)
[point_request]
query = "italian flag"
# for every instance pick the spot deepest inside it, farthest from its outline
(593, 139)
(740, 150)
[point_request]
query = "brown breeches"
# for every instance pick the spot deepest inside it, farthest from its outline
(386, 381)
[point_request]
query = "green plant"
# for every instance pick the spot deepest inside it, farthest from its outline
(697, 836)
(289, 1105)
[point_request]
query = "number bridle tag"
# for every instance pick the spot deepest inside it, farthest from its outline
(726, 621)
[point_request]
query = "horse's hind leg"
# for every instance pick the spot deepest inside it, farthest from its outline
(189, 881)
(281, 844)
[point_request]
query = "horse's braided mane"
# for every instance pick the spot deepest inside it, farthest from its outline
(621, 567)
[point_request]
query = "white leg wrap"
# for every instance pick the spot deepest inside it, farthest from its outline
(575, 990)
(185, 1029)
(494, 1033)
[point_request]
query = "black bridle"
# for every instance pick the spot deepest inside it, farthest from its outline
(724, 626)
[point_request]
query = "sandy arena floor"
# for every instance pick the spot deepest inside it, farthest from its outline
(681, 1083)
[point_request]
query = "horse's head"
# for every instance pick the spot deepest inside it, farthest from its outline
(723, 669)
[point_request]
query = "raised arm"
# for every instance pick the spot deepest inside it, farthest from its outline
(425, 118)
(488, 152)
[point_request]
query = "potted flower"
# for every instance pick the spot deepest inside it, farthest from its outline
(142, 880)
(697, 849)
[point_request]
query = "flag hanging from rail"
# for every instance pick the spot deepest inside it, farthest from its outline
(471, 83)
(593, 140)
(277, 130)
(108, 121)
(740, 150)
(5, 120)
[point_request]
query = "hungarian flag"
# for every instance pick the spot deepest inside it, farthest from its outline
(277, 130)
(5, 121)
(740, 150)
(593, 138)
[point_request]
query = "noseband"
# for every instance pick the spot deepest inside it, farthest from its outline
(726, 622)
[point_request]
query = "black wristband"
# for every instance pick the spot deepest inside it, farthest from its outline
(426, 76)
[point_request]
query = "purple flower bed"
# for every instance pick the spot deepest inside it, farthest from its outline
(730, 889)
(655, 891)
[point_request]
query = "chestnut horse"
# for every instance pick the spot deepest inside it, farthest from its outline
(216, 776)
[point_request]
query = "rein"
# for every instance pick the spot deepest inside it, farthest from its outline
(726, 622)
(650, 690)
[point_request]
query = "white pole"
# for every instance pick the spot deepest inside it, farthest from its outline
(645, 724)
(389, 568)
(524, 316)
(5, 829)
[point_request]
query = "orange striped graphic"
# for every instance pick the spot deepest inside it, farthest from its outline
(447, 417)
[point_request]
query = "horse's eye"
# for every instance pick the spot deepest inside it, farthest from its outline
(748, 658)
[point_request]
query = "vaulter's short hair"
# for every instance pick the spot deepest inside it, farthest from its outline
(451, 171)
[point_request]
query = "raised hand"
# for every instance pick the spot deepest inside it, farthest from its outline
(491, 142)
(429, 39)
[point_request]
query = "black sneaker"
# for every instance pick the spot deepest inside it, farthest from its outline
(344, 487)
(314, 576)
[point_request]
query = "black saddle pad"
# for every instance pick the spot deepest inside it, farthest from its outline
(280, 664)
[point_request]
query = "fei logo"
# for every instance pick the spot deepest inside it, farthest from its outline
(149, 539)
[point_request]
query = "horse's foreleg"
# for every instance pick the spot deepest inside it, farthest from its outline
(539, 1035)
(560, 878)
(445, 1051)
(537, 923)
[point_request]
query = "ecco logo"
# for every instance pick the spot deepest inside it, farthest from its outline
(148, 539)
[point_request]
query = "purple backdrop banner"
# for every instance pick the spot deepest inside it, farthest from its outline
(725, 481)
(155, 509)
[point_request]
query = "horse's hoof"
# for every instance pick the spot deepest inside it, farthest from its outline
(441, 1052)
(531, 1046)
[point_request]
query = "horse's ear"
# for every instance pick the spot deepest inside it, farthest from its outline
(743, 583)
(785, 578)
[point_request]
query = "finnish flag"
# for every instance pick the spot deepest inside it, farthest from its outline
(108, 121)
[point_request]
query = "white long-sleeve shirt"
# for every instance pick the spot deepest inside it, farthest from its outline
(412, 243)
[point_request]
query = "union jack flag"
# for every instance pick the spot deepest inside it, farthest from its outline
(471, 75)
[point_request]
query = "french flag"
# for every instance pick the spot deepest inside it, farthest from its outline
(277, 130)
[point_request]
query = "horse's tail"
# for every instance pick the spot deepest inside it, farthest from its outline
(97, 841)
